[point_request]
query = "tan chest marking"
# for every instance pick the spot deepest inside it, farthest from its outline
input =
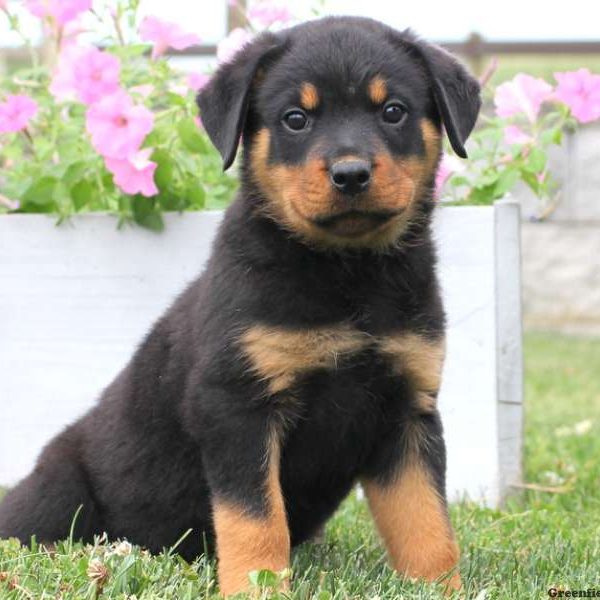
(421, 361)
(279, 356)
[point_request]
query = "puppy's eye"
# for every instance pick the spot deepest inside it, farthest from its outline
(394, 112)
(295, 119)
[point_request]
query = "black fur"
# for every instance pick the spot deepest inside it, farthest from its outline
(186, 419)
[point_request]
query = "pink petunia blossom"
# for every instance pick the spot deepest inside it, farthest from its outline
(196, 81)
(62, 11)
(71, 33)
(63, 84)
(85, 73)
(580, 91)
(135, 174)
(16, 112)
(267, 13)
(118, 126)
(515, 135)
(449, 165)
(3, 4)
(235, 41)
(523, 94)
(165, 34)
(96, 75)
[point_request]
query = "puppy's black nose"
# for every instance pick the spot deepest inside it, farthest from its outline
(350, 176)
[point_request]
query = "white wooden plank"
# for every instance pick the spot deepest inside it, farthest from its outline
(75, 301)
(509, 343)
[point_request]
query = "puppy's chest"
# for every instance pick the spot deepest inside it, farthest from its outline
(341, 356)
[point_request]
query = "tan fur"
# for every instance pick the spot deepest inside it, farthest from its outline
(246, 543)
(377, 90)
(412, 520)
(433, 142)
(420, 359)
(299, 194)
(309, 96)
(278, 355)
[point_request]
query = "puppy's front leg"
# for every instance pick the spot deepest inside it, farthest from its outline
(242, 457)
(405, 490)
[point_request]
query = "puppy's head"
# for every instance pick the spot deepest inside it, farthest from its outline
(342, 122)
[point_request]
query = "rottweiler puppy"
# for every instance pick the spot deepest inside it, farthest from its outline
(307, 356)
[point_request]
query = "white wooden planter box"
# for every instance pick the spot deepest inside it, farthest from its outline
(76, 299)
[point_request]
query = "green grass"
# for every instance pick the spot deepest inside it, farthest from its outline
(541, 539)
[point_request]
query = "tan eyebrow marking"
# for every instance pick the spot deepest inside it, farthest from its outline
(309, 96)
(377, 89)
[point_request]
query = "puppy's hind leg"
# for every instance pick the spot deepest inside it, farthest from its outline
(45, 503)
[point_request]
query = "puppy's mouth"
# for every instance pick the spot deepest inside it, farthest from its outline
(354, 223)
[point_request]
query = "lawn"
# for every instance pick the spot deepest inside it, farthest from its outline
(547, 537)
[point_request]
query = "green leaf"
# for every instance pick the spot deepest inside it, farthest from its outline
(486, 179)
(176, 100)
(191, 137)
(39, 197)
(83, 193)
(74, 172)
(536, 161)
(531, 180)
(163, 176)
(552, 136)
(458, 180)
(263, 578)
(146, 214)
(196, 194)
(506, 181)
(482, 195)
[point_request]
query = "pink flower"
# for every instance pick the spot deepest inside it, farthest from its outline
(448, 165)
(118, 126)
(515, 135)
(523, 94)
(3, 4)
(196, 81)
(96, 75)
(165, 34)
(16, 112)
(229, 46)
(63, 83)
(580, 91)
(71, 33)
(267, 13)
(62, 11)
(135, 174)
(86, 73)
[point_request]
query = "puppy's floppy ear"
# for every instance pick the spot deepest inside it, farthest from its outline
(224, 101)
(455, 90)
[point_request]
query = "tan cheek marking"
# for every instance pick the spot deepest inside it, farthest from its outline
(394, 184)
(377, 90)
(294, 194)
(420, 360)
(279, 356)
(309, 96)
(246, 543)
(433, 142)
(412, 520)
